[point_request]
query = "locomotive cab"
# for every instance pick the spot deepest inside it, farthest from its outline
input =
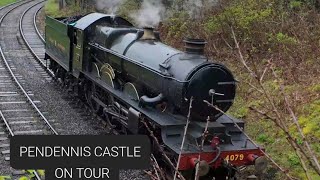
(83, 30)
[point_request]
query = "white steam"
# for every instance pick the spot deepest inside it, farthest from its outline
(150, 14)
(109, 6)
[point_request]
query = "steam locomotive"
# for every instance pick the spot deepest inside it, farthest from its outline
(127, 75)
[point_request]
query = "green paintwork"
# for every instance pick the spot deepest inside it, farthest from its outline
(58, 41)
(77, 52)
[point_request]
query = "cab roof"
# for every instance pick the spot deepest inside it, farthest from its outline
(89, 19)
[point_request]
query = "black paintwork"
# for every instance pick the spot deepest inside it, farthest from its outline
(155, 69)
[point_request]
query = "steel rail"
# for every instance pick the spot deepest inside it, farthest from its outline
(6, 123)
(18, 83)
(36, 27)
(39, 35)
(13, 76)
(16, 80)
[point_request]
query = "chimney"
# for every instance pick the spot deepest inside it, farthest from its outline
(195, 46)
(148, 34)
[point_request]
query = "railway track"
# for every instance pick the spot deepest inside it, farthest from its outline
(20, 113)
(33, 39)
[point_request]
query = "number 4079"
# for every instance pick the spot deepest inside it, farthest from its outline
(235, 157)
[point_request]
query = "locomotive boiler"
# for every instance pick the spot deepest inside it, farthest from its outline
(128, 75)
(161, 73)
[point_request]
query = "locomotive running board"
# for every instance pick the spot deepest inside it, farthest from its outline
(223, 128)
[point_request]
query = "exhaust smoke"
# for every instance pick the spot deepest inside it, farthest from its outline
(150, 14)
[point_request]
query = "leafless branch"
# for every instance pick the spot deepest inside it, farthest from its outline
(279, 120)
(157, 167)
(240, 54)
(184, 137)
(156, 172)
(298, 149)
(264, 73)
(254, 87)
(303, 164)
(150, 174)
(295, 120)
(225, 41)
(203, 138)
(263, 114)
(237, 126)
(156, 141)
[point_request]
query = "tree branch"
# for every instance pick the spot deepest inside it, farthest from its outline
(161, 149)
(183, 139)
(264, 153)
(279, 120)
(295, 120)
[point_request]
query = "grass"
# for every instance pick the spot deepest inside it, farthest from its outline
(52, 8)
(5, 2)
(29, 174)
(5, 177)
(271, 138)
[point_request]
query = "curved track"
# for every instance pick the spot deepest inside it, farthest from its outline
(35, 24)
(33, 38)
(19, 112)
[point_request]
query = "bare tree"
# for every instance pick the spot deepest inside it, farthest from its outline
(305, 152)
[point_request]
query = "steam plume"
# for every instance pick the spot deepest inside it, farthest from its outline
(150, 13)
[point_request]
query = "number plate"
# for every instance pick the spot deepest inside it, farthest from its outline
(234, 157)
